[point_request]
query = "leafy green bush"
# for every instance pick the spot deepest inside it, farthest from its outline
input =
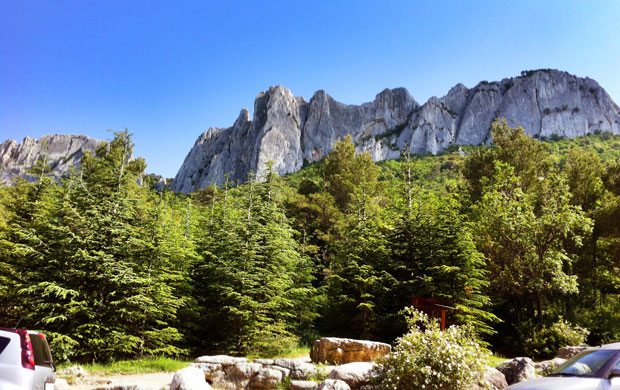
(430, 359)
(543, 341)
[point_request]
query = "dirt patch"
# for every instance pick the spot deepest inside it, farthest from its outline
(156, 381)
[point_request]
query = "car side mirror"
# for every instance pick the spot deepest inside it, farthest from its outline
(615, 373)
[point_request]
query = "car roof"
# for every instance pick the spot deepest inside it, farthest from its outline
(610, 346)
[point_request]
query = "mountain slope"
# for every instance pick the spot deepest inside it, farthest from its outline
(59, 151)
(290, 131)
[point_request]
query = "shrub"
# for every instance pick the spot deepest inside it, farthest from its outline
(543, 341)
(430, 359)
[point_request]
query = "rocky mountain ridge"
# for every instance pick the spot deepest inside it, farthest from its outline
(290, 131)
(59, 151)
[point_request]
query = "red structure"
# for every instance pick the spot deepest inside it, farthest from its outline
(433, 308)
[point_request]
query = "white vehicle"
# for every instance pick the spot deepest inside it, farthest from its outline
(593, 369)
(25, 361)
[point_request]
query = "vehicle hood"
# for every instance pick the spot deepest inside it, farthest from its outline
(555, 383)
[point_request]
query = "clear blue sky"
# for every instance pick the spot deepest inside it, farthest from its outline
(168, 70)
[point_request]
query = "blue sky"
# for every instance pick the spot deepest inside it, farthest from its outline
(168, 70)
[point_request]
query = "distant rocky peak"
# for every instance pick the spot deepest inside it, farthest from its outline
(59, 151)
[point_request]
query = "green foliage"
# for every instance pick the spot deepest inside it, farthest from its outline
(518, 235)
(428, 358)
(542, 341)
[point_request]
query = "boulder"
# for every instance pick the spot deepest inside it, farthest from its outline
(266, 378)
(242, 373)
(221, 359)
(569, 352)
(548, 366)
(333, 384)
(299, 368)
(354, 374)
(189, 378)
(285, 371)
(341, 351)
(518, 370)
(493, 379)
(302, 385)
(211, 370)
(265, 362)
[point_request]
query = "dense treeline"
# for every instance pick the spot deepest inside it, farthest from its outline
(522, 238)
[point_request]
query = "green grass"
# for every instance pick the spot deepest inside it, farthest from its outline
(494, 360)
(138, 366)
(295, 352)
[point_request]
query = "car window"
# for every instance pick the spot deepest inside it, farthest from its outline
(42, 355)
(585, 364)
(4, 341)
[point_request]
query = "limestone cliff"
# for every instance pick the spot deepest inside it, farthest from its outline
(59, 151)
(290, 131)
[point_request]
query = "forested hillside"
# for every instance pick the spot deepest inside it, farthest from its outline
(522, 237)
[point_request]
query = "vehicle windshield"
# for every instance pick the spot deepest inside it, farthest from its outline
(585, 364)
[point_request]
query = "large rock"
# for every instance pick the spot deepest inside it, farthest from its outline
(518, 370)
(333, 384)
(189, 378)
(569, 352)
(224, 360)
(266, 378)
(213, 372)
(302, 385)
(492, 379)
(340, 351)
(59, 151)
(546, 367)
(241, 374)
(299, 369)
(354, 374)
(290, 131)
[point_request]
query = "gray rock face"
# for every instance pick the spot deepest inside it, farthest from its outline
(290, 131)
(518, 370)
(60, 151)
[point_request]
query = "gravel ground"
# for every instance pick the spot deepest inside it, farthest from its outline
(155, 381)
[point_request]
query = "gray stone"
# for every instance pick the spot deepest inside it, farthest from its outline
(302, 385)
(266, 362)
(518, 370)
(333, 384)
(121, 387)
(189, 378)
(224, 360)
(299, 368)
(285, 371)
(354, 374)
(290, 131)
(266, 378)
(569, 352)
(339, 351)
(492, 379)
(59, 151)
(211, 371)
(546, 367)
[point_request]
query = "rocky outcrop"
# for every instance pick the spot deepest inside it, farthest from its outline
(518, 370)
(189, 378)
(569, 352)
(59, 151)
(354, 374)
(340, 351)
(290, 131)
